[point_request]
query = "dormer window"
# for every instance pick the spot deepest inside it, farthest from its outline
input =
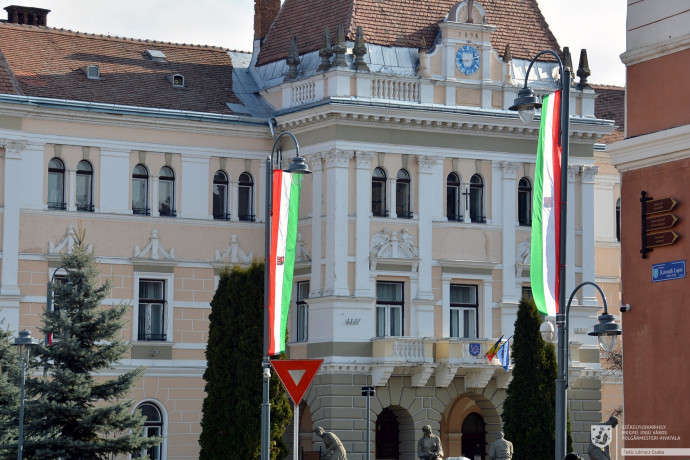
(156, 55)
(177, 80)
(92, 72)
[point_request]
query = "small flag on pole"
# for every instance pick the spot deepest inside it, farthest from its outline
(494, 349)
(504, 355)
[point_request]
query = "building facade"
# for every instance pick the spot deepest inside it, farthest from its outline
(653, 160)
(413, 249)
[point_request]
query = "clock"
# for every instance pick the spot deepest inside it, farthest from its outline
(467, 59)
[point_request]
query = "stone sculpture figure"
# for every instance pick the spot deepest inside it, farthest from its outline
(334, 448)
(501, 448)
(429, 445)
(596, 452)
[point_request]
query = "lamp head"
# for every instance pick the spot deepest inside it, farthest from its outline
(526, 104)
(298, 166)
(607, 330)
(546, 330)
(24, 343)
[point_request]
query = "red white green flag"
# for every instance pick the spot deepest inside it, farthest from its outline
(286, 191)
(546, 209)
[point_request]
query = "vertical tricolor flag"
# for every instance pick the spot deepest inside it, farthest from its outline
(286, 190)
(546, 209)
(494, 349)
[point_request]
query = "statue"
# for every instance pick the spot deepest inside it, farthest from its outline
(334, 448)
(429, 445)
(501, 448)
(600, 439)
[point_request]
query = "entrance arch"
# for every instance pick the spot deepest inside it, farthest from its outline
(469, 419)
(473, 436)
(395, 435)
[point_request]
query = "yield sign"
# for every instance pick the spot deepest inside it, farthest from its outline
(296, 375)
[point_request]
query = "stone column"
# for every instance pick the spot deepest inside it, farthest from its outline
(509, 291)
(362, 233)
(588, 261)
(337, 198)
(315, 282)
(72, 189)
(570, 234)
(425, 231)
(234, 198)
(10, 223)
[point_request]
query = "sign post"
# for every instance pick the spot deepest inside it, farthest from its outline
(655, 217)
(296, 375)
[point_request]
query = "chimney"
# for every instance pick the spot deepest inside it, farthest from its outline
(265, 12)
(26, 15)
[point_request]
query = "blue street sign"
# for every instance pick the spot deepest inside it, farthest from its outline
(668, 271)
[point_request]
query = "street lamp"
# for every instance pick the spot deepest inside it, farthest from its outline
(23, 343)
(298, 166)
(526, 104)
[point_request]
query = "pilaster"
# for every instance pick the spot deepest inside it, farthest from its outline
(587, 209)
(509, 291)
(570, 233)
(363, 181)
(425, 230)
(315, 282)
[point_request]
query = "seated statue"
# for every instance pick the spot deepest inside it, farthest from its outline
(429, 445)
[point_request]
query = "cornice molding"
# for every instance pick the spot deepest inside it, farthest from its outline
(651, 149)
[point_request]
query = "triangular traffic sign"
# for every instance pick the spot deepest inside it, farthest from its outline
(296, 375)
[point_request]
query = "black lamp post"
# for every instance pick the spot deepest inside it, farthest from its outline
(526, 104)
(23, 343)
(298, 166)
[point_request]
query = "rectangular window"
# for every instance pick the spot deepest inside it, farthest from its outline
(302, 311)
(463, 311)
(389, 309)
(152, 310)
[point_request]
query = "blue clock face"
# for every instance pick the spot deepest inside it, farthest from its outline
(467, 60)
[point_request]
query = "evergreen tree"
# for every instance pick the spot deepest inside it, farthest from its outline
(75, 414)
(529, 408)
(9, 394)
(231, 423)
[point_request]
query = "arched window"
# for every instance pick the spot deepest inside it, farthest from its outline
(453, 198)
(140, 190)
(56, 184)
(166, 193)
(477, 199)
(153, 426)
(220, 196)
(402, 195)
(84, 186)
(378, 193)
(473, 436)
(618, 219)
(525, 202)
(245, 211)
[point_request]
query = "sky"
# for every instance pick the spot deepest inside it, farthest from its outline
(597, 25)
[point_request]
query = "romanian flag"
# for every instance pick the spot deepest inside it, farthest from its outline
(286, 191)
(546, 209)
(494, 349)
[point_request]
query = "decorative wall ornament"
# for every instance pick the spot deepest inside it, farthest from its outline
(233, 254)
(154, 250)
(302, 254)
(67, 244)
(427, 163)
(292, 60)
(340, 48)
(359, 50)
(13, 148)
(523, 252)
(389, 245)
(364, 159)
(326, 51)
(589, 173)
(337, 158)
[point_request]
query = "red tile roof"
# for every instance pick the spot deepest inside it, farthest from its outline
(610, 105)
(402, 23)
(48, 62)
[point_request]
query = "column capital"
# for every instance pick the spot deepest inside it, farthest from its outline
(573, 170)
(13, 148)
(427, 163)
(314, 161)
(509, 169)
(337, 158)
(364, 159)
(589, 173)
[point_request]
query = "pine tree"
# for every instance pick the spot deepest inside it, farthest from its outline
(231, 423)
(9, 395)
(530, 404)
(74, 413)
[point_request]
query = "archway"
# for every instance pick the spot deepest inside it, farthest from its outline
(473, 436)
(468, 420)
(395, 437)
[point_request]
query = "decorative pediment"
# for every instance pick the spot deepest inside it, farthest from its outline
(154, 250)
(302, 254)
(388, 245)
(522, 258)
(66, 245)
(233, 254)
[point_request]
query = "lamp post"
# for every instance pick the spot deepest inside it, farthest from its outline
(298, 166)
(526, 104)
(23, 343)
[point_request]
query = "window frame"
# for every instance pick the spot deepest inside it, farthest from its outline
(88, 205)
(168, 181)
(524, 202)
(162, 424)
(55, 172)
(245, 186)
(222, 184)
(477, 199)
(457, 318)
(167, 320)
(302, 311)
(456, 184)
(379, 205)
(138, 177)
(386, 308)
(403, 189)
